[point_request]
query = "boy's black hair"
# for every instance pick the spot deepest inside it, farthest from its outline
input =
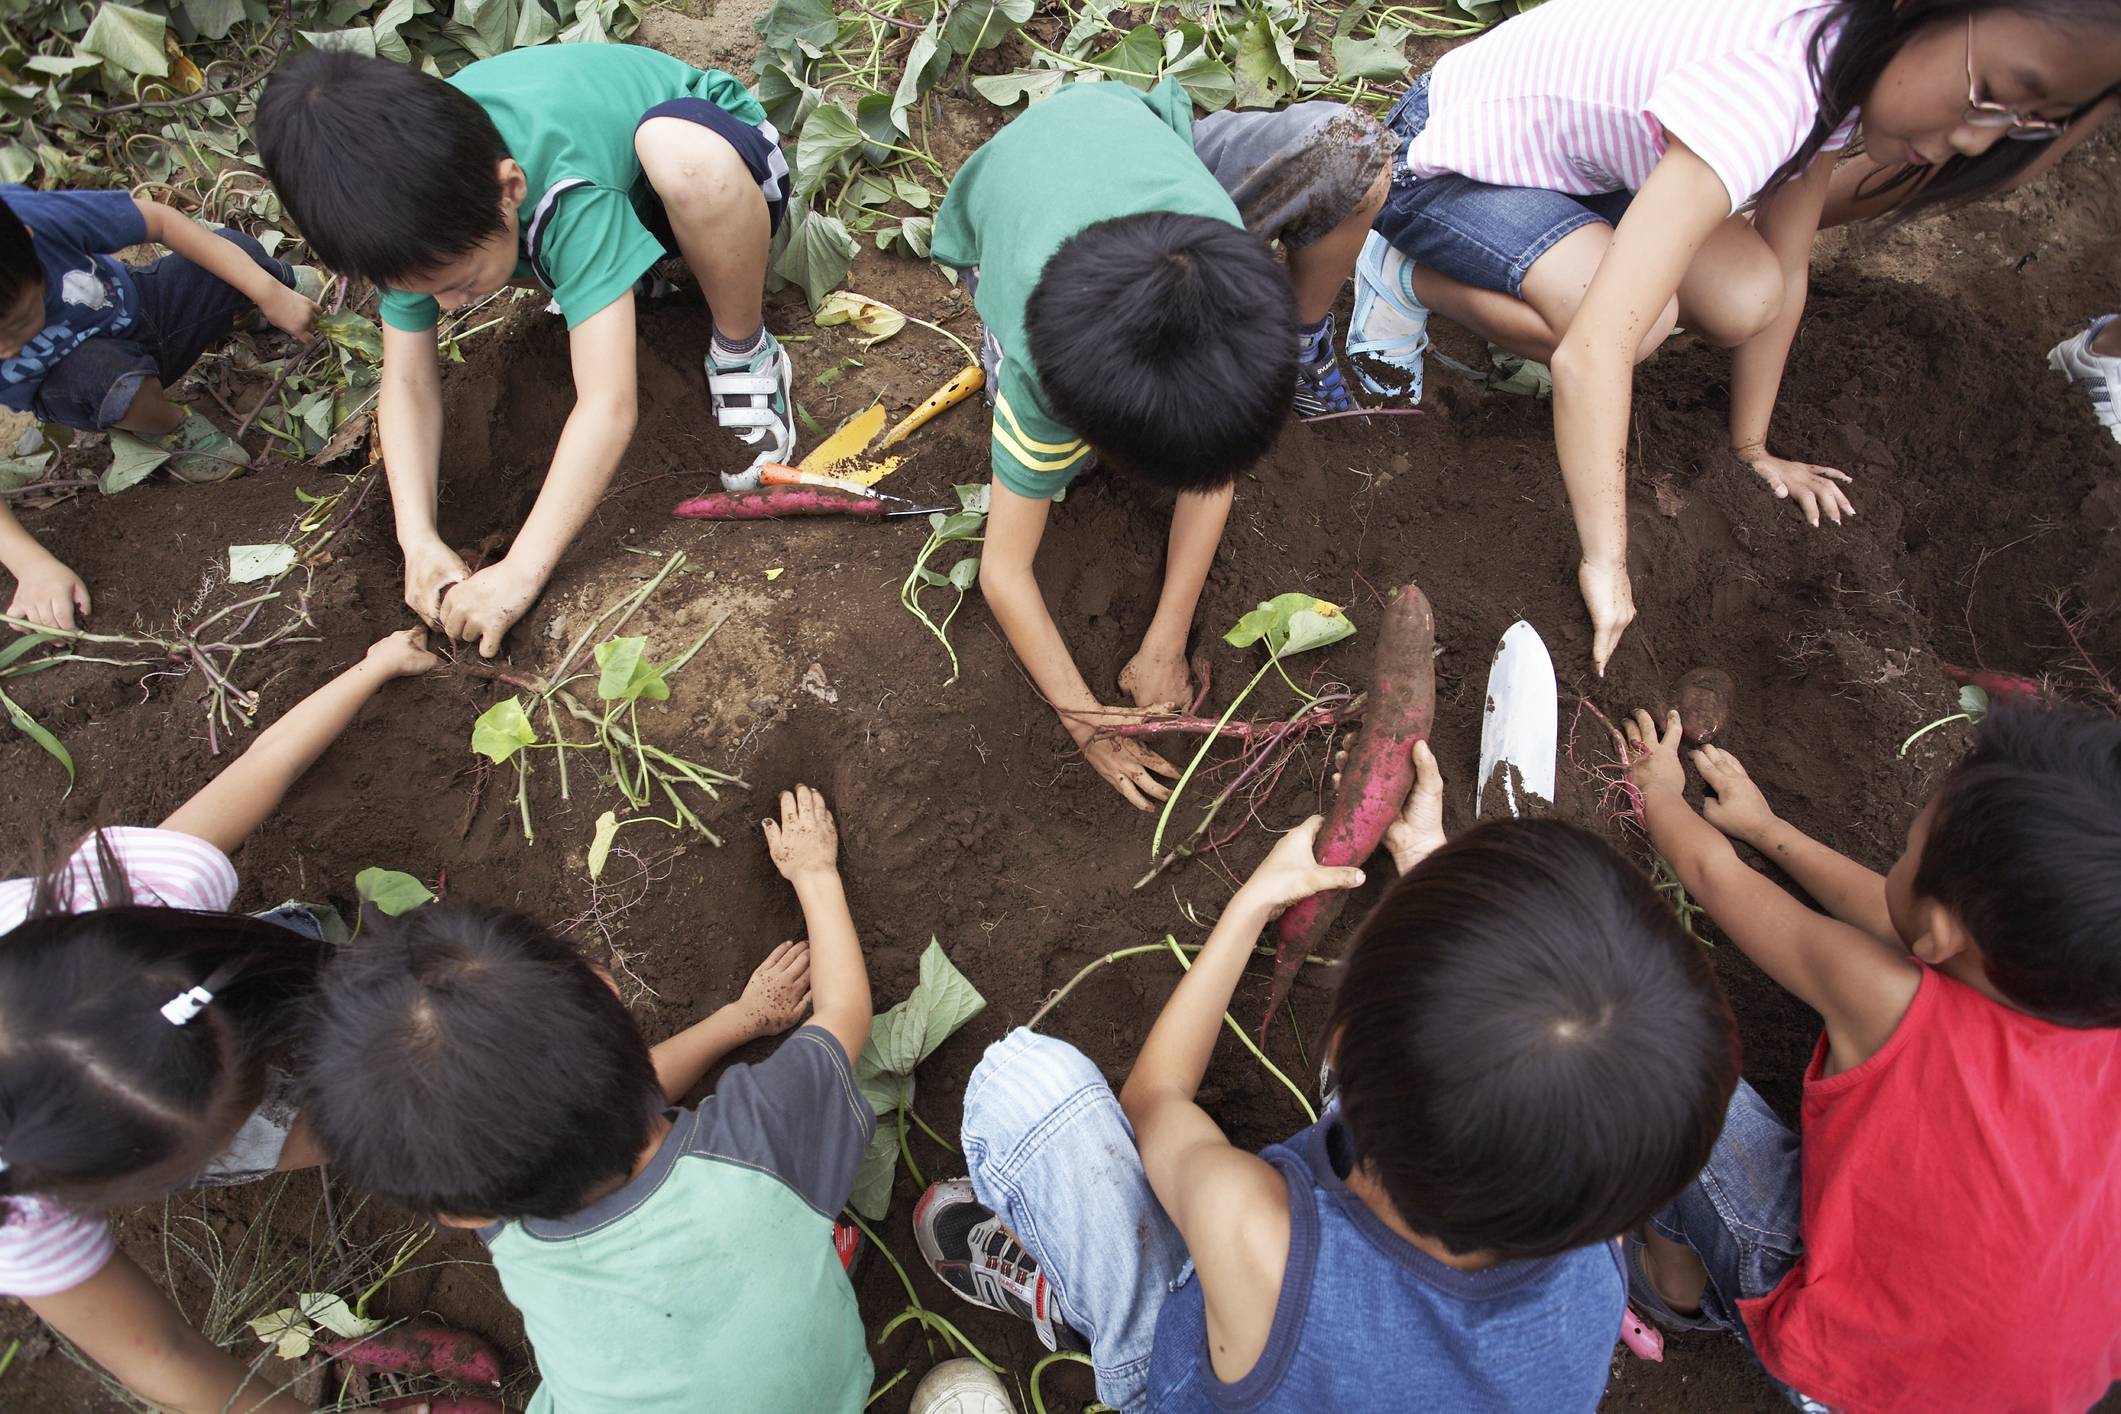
(2025, 846)
(1168, 343)
(390, 173)
(102, 1099)
(1532, 1055)
(20, 274)
(467, 1063)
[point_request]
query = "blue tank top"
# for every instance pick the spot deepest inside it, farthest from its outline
(1368, 1323)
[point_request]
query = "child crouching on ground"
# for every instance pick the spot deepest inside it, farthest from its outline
(90, 343)
(469, 1064)
(1531, 1059)
(1948, 1235)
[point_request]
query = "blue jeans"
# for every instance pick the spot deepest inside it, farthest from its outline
(184, 311)
(1050, 1152)
(1743, 1217)
(1480, 235)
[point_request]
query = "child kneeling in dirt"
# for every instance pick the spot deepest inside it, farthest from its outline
(90, 343)
(1948, 1234)
(1531, 1059)
(145, 1030)
(469, 1064)
(1117, 252)
(568, 167)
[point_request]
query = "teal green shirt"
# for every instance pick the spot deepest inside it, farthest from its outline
(1092, 152)
(567, 114)
(709, 1282)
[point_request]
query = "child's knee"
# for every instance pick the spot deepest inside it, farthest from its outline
(1746, 298)
(1023, 1079)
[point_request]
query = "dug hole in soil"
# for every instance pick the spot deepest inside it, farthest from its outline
(1983, 486)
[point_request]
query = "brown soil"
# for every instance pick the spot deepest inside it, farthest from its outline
(1983, 485)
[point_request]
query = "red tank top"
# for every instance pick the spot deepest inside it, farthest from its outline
(1962, 1219)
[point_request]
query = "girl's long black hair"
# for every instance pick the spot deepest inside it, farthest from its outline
(98, 1092)
(1856, 39)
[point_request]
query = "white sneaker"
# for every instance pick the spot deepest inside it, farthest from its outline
(961, 1387)
(1389, 329)
(2098, 374)
(755, 401)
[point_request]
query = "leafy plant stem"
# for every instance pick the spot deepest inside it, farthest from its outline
(1922, 732)
(1239, 1032)
(1163, 819)
(1038, 1374)
(914, 1115)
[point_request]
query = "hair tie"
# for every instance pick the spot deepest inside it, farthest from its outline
(181, 1008)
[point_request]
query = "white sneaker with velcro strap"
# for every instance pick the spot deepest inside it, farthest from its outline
(2099, 375)
(754, 401)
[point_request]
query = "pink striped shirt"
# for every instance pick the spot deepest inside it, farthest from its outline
(45, 1248)
(1583, 96)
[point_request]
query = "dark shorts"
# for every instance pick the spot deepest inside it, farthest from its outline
(1297, 173)
(1481, 235)
(184, 311)
(757, 143)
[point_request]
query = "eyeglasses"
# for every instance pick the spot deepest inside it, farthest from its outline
(1984, 113)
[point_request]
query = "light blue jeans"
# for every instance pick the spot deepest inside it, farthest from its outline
(1052, 1154)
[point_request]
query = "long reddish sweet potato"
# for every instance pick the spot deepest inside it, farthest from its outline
(2000, 687)
(447, 1404)
(1376, 779)
(422, 1348)
(772, 502)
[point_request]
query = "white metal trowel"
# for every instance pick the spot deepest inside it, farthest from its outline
(1518, 726)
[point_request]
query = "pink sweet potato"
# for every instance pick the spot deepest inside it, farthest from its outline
(422, 1348)
(447, 1404)
(1376, 778)
(2000, 687)
(772, 502)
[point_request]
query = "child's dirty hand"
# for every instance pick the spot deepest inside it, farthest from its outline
(1153, 678)
(1653, 758)
(1416, 832)
(1813, 488)
(50, 595)
(431, 568)
(1291, 872)
(1130, 768)
(404, 654)
(1610, 597)
(291, 314)
(484, 607)
(1737, 807)
(778, 994)
(806, 841)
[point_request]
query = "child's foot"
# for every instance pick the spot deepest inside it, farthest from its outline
(2098, 374)
(1644, 1296)
(752, 398)
(200, 453)
(981, 1260)
(1319, 387)
(849, 1246)
(1389, 330)
(961, 1387)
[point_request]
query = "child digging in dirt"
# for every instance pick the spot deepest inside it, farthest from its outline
(468, 1064)
(1948, 1234)
(1531, 1059)
(568, 167)
(143, 1027)
(90, 343)
(1117, 252)
(1581, 180)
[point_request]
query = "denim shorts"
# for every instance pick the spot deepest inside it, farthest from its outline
(1053, 1155)
(1480, 235)
(184, 311)
(1743, 1217)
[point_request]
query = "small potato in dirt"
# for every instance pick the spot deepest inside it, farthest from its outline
(1704, 702)
(448, 1404)
(422, 1348)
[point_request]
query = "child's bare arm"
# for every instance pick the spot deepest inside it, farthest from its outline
(46, 591)
(601, 348)
(1230, 1205)
(774, 999)
(1840, 885)
(229, 263)
(237, 801)
(1157, 676)
(1015, 525)
(123, 1322)
(805, 848)
(1859, 984)
(409, 426)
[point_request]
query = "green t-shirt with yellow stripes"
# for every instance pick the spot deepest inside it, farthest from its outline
(1092, 152)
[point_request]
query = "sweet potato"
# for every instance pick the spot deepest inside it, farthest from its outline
(2000, 687)
(1376, 778)
(1704, 702)
(422, 1348)
(772, 502)
(447, 1404)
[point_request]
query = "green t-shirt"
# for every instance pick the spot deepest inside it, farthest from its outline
(567, 114)
(1090, 153)
(709, 1282)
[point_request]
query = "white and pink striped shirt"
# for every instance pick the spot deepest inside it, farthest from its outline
(45, 1248)
(1582, 96)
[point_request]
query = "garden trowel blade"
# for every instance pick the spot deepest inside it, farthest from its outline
(1518, 728)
